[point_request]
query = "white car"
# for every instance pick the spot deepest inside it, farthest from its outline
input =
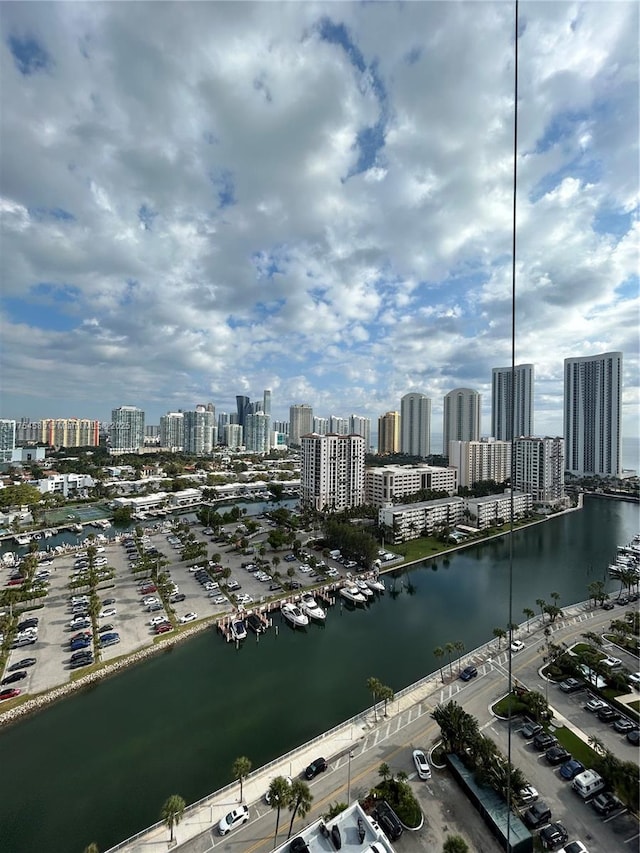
(107, 611)
(157, 620)
(219, 599)
(517, 646)
(595, 705)
(634, 678)
(244, 598)
(612, 663)
(188, 617)
(152, 599)
(235, 818)
(422, 764)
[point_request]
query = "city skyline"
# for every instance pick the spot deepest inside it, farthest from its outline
(205, 201)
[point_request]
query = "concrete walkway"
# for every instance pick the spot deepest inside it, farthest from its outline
(198, 824)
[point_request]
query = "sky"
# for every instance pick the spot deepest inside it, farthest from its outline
(201, 200)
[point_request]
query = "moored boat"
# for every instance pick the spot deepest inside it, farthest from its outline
(364, 588)
(375, 583)
(238, 629)
(310, 606)
(255, 623)
(294, 615)
(352, 594)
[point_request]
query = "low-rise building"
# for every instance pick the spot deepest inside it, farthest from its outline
(389, 483)
(64, 484)
(493, 510)
(424, 518)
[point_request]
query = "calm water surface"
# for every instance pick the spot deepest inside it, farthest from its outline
(98, 767)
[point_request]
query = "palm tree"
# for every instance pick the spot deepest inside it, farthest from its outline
(438, 654)
(500, 634)
(384, 771)
(374, 685)
(386, 694)
(91, 848)
(449, 649)
(459, 647)
(541, 603)
(279, 793)
(172, 812)
(455, 844)
(300, 800)
(529, 613)
(241, 769)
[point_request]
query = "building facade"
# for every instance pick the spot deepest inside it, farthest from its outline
(199, 432)
(332, 473)
(389, 433)
(539, 469)
(411, 521)
(257, 434)
(592, 410)
(233, 435)
(512, 395)
(7, 439)
(70, 432)
(394, 483)
(172, 431)
(361, 426)
(495, 510)
(300, 423)
(415, 418)
(321, 425)
(480, 460)
(127, 430)
(461, 417)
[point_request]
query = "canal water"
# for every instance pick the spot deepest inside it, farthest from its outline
(99, 766)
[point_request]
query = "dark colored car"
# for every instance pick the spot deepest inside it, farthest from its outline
(571, 768)
(9, 693)
(608, 605)
(623, 725)
(28, 623)
(530, 730)
(21, 664)
(553, 836)
(537, 814)
(14, 677)
(78, 662)
(570, 685)
(177, 596)
(299, 845)
(80, 643)
(557, 755)
(608, 715)
(108, 601)
(543, 741)
(104, 629)
(388, 820)
(319, 765)
(634, 736)
(468, 673)
(605, 803)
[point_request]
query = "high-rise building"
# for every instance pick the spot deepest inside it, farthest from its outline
(480, 460)
(512, 397)
(223, 420)
(7, 439)
(172, 431)
(300, 422)
(461, 417)
(338, 426)
(389, 433)
(127, 429)
(28, 432)
(257, 432)
(361, 426)
(243, 403)
(415, 415)
(266, 402)
(199, 431)
(332, 471)
(70, 432)
(592, 425)
(233, 435)
(539, 468)
(320, 425)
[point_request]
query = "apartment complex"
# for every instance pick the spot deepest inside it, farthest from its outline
(539, 469)
(361, 426)
(391, 483)
(410, 521)
(199, 431)
(480, 460)
(300, 422)
(512, 396)
(592, 426)
(257, 434)
(127, 430)
(389, 433)
(332, 475)
(172, 431)
(415, 425)
(494, 510)
(461, 417)
(7, 439)
(70, 432)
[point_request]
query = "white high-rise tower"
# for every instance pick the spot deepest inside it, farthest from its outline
(461, 417)
(509, 391)
(415, 425)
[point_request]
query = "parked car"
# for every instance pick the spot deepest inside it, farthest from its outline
(9, 693)
(104, 629)
(468, 673)
(557, 755)
(537, 814)
(107, 611)
(608, 714)
(605, 803)
(517, 646)
(108, 601)
(543, 741)
(188, 617)
(571, 768)
(236, 817)
(623, 725)
(530, 730)
(14, 677)
(528, 795)
(634, 737)
(21, 664)
(422, 765)
(177, 596)
(80, 643)
(163, 627)
(299, 845)
(634, 679)
(570, 685)
(595, 705)
(574, 847)
(318, 765)
(553, 835)
(388, 820)
(109, 639)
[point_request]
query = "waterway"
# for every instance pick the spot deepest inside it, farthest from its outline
(98, 767)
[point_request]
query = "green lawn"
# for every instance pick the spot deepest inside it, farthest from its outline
(577, 747)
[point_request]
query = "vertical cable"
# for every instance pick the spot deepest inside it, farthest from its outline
(512, 405)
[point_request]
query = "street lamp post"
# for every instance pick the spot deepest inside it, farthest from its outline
(349, 778)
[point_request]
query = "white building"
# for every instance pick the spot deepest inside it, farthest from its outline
(127, 430)
(199, 431)
(461, 417)
(7, 439)
(424, 518)
(233, 435)
(300, 422)
(539, 469)
(172, 431)
(339, 426)
(512, 396)
(494, 510)
(415, 425)
(332, 475)
(361, 426)
(257, 434)
(390, 483)
(65, 484)
(480, 460)
(592, 400)
(320, 425)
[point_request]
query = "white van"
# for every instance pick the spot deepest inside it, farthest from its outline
(335, 555)
(587, 783)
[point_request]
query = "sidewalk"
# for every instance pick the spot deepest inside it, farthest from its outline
(202, 817)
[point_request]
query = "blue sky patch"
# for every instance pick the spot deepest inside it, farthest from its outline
(224, 186)
(146, 217)
(46, 308)
(42, 213)
(339, 34)
(614, 222)
(29, 55)
(413, 55)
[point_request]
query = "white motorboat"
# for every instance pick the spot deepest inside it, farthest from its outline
(238, 629)
(375, 584)
(22, 539)
(352, 594)
(294, 615)
(364, 589)
(310, 606)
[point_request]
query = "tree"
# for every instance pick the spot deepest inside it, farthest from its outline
(541, 604)
(374, 685)
(449, 649)
(455, 844)
(300, 800)
(438, 654)
(499, 634)
(529, 613)
(384, 771)
(241, 769)
(91, 848)
(172, 812)
(278, 795)
(386, 694)
(459, 647)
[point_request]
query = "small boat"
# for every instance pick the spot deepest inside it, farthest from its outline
(238, 629)
(255, 623)
(375, 584)
(77, 528)
(22, 539)
(310, 606)
(37, 535)
(364, 588)
(352, 594)
(294, 615)
(48, 534)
